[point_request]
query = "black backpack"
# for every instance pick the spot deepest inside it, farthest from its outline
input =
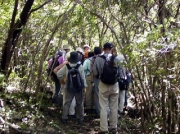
(74, 80)
(53, 65)
(123, 83)
(110, 71)
(81, 57)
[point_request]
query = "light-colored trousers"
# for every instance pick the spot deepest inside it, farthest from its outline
(121, 100)
(73, 103)
(108, 99)
(79, 104)
(88, 93)
(96, 96)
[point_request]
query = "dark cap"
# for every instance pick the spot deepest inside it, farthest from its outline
(97, 50)
(73, 57)
(90, 54)
(108, 45)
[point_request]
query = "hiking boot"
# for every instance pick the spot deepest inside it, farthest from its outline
(80, 122)
(97, 116)
(113, 131)
(64, 121)
(72, 116)
(121, 113)
(103, 132)
(88, 111)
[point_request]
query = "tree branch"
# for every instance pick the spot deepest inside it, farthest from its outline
(35, 9)
(24, 14)
(177, 12)
(14, 14)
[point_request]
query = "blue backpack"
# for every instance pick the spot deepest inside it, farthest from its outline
(75, 82)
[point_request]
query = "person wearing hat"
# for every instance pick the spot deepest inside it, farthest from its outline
(63, 82)
(61, 74)
(97, 52)
(66, 48)
(80, 54)
(125, 74)
(55, 61)
(108, 93)
(86, 49)
(88, 91)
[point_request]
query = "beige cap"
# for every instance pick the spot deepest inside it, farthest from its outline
(65, 47)
(79, 49)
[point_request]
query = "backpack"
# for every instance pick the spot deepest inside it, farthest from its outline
(53, 65)
(92, 63)
(74, 80)
(110, 71)
(123, 82)
(91, 67)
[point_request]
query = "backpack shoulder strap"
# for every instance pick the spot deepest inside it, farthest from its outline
(102, 56)
(68, 66)
(112, 59)
(77, 66)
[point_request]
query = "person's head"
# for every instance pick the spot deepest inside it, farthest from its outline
(107, 47)
(79, 49)
(86, 48)
(73, 57)
(90, 54)
(97, 50)
(66, 48)
(67, 56)
(59, 53)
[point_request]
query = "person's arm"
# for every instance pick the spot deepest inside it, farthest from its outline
(59, 67)
(85, 66)
(83, 75)
(61, 59)
(94, 69)
(98, 66)
(61, 74)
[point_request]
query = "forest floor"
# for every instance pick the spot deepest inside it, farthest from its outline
(19, 115)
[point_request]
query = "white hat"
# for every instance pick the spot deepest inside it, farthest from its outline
(79, 49)
(86, 46)
(121, 57)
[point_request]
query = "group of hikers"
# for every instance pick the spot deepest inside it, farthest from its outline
(90, 79)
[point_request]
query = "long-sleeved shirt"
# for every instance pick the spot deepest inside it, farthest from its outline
(99, 63)
(63, 72)
(60, 60)
(87, 66)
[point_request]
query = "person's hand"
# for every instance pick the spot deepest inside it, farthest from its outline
(65, 62)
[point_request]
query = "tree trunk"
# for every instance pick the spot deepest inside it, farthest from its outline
(161, 14)
(13, 35)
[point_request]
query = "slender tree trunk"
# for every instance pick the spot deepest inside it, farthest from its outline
(161, 14)
(13, 35)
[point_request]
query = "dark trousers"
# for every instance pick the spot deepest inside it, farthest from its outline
(57, 89)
